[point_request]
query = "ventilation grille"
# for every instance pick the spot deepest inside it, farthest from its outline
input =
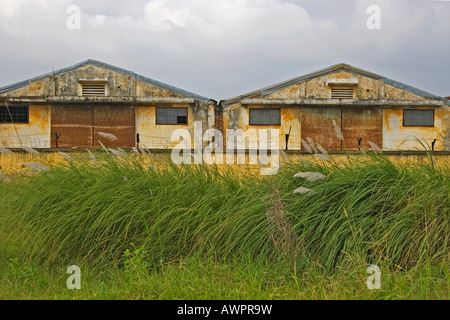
(93, 90)
(341, 93)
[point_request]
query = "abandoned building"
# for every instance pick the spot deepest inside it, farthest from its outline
(366, 107)
(79, 106)
(82, 105)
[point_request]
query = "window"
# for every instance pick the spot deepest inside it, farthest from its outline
(14, 114)
(93, 90)
(341, 93)
(265, 117)
(418, 118)
(171, 115)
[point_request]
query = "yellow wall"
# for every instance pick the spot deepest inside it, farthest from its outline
(155, 136)
(12, 164)
(290, 119)
(367, 88)
(397, 137)
(119, 85)
(35, 134)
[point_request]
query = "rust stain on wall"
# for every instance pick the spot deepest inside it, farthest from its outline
(74, 125)
(398, 94)
(237, 117)
(159, 136)
(78, 126)
(398, 137)
(367, 88)
(383, 127)
(34, 134)
(117, 120)
(361, 123)
(317, 124)
(293, 92)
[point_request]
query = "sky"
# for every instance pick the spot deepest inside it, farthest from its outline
(224, 48)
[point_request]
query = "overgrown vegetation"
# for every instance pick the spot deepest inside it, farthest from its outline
(217, 229)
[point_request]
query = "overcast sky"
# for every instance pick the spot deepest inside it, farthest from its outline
(223, 48)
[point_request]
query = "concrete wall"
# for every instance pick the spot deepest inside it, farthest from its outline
(391, 135)
(35, 134)
(120, 86)
(237, 117)
(156, 136)
(398, 137)
(367, 89)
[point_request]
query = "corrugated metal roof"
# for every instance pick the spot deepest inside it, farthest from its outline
(333, 69)
(112, 68)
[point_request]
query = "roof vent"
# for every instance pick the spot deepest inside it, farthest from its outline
(93, 87)
(341, 93)
(93, 90)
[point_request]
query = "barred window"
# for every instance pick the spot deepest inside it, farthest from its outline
(14, 114)
(418, 118)
(171, 115)
(265, 117)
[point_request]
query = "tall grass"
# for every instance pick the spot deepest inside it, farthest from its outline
(370, 211)
(380, 212)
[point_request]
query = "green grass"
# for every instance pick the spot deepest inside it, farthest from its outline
(203, 278)
(202, 232)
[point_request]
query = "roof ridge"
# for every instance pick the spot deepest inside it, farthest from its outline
(331, 69)
(110, 67)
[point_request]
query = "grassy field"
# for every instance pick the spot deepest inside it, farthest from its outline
(160, 231)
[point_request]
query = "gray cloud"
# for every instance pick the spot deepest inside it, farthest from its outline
(224, 48)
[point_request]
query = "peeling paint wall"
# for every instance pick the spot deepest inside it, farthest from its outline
(68, 84)
(79, 124)
(317, 124)
(35, 134)
(380, 126)
(155, 136)
(158, 136)
(367, 89)
(398, 137)
(237, 117)
(146, 90)
(446, 130)
(361, 123)
(41, 88)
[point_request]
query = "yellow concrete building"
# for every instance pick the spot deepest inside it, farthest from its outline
(92, 102)
(367, 108)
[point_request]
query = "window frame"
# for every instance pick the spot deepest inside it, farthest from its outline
(172, 124)
(264, 125)
(415, 125)
(16, 122)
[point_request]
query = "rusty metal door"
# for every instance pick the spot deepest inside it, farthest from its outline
(73, 125)
(317, 124)
(117, 120)
(79, 126)
(361, 123)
